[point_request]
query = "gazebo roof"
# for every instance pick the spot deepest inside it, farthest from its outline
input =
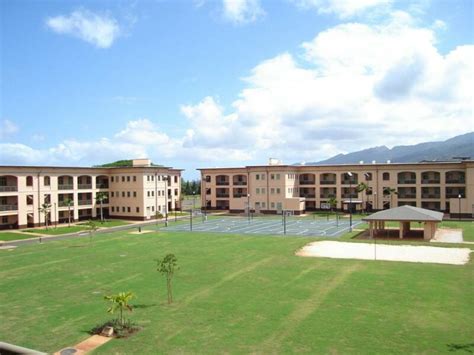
(406, 213)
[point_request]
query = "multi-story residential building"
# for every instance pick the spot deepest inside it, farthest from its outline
(443, 186)
(137, 192)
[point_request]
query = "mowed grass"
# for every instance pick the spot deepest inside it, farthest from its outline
(233, 294)
(57, 231)
(8, 236)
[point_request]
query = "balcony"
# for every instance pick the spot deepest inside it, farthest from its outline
(327, 196)
(222, 195)
(406, 181)
(402, 196)
(307, 195)
(239, 183)
(65, 187)
(430, 181)
(455, 181)
(8, 208)
(328, 182)
(84, 186)
(222, 183)
(237, 195)
(435, 196)
(8, 188)
(84, 202)
(307, 182)
(102, 186)
(64, 204)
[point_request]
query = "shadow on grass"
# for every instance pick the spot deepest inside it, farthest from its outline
(467, 348)
(144, 306)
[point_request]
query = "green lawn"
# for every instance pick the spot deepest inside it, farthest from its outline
(108, 223)
(233, 294)
(58, 230)
(7, 236)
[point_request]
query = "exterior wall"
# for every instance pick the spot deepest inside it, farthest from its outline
(24, 189)
(428, 185)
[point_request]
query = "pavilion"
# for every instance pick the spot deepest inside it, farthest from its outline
(404, 215)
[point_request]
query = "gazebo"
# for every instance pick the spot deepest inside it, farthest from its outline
(404, 215)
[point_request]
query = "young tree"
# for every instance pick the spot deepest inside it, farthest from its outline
(361, 187)
(332, 203)
(100, 197)
(167, 267)
(91, 227)
(121, 303)
(390, 192)
(69, 203)
(45, 207)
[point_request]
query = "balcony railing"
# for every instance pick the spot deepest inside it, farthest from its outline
(349, 195)
(430, 181)
(307, 182)
(407, 181)
(222, 195)
(64, 204)
(220, 183)
(238, 195)
(327, 195)
(102, 186)
(8, 207)
(8, 188)
(84, 202)
(454, 195)
(240, 183)
(328, 182)
(455, 181)
(430, 196)
(65, 187)
(406, 196)
(84, 186)
(308, 195)
(348, 182)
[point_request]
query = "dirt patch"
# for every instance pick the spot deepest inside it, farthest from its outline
(372, 251)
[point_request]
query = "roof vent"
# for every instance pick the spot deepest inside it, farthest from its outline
(361, 162)
(388, 161)
(373, 161)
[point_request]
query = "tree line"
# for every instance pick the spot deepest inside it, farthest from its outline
(190, 186)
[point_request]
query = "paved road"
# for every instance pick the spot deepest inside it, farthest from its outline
(84, 234)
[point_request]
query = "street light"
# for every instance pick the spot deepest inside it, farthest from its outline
(350, 200)
(459, 199)
(194, 200)
(375, 200)
(248, 206)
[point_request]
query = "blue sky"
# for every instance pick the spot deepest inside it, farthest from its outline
(232, 82)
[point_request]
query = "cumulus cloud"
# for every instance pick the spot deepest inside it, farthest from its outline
(99, 30)
(242, 11)
(7, 129)
(343, 8)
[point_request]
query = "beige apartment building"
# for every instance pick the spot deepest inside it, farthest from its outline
(137, 192)
(441, 186)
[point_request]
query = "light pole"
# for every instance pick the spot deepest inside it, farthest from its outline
(350, 200)
(248, 206)
(194, 200)
(55, 216)
(459, 200)
(166, 200)
(375, 200)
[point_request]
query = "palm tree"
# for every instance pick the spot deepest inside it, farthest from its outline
(69, 203)
(120, 302)
(332, 203)
(388, 191)
(101, 197)
(45, 207)
(361, 187)
(91, 228)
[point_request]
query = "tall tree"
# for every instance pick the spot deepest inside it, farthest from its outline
(390, 192)
(45, 209)
(361, 188)
(69, 203)
(100, 197)
(167, 267)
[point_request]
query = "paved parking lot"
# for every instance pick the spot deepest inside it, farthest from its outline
(267, 225)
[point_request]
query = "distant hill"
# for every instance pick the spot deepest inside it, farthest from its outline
(120, 164)
(459, 146)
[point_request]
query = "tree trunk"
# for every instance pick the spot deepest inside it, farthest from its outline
(69, 216)
(101, 214)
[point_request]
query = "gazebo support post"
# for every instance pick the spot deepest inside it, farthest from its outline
(401, 232)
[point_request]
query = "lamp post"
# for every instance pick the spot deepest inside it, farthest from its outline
(166, 200)
(459, 200)
(55, 216)
(375, 200)
(350, 200)
(194, 200)
(248, 206)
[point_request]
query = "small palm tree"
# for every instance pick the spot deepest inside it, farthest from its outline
(91, 228)
(361, 187)
(100, 197)
(332, 203)
(390, 192)
(120, 302)
(69, 203)
(44, 209)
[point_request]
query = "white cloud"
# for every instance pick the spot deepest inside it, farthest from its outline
(242, 11)
(7, 129)
(343, 8)
(99, 30)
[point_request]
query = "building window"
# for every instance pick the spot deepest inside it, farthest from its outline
(152, 208)
(47, 181)
(123, 178)
(278, 176)
(29, 200)
(112, 194)
(123, 209)
(176, 192)
(264, 205)
(128, 178)
(134, 178)
(148, 193)
(129, 209)
(123, 193)
(272, 190)
(368, 176)
(386, 176)
(278, 191)
(112, 179)
(176, 179)
(29, 181)
(128, 194)
(263, 190)
(208, 178)
(257, 190)
(153, 193)
(137, 209)
(134, 194)
(272, 176)
(257, 177)
(263, 176)
(152, 178)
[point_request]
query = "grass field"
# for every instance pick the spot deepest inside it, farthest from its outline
(233, 294)
(7, 236)
(57, 231)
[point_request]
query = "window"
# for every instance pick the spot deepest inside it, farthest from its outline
(123, 209)
(272, 190)
(128, 178)
(112, 194)
(113, 209)
(278, 191)
(264, 205)
(263, 190)
(137, 209)
(272, 176)
(257, 190)
(134, 178)
(368, 176)
(29, 200)
(263, 176)
(148, 178)
(129, 209)
(123, 178)
(208, 178)
(134, 194)
(148, 193)
(152, 208)
(153, 193)
(386, 176)
(128, 193)
(47, 181)
(257, 204)
(176, 192)
(112, 179)
(257, 177)
(278, 176)
(123, 193)
(273, 204)
(176, 179)
(29, 181)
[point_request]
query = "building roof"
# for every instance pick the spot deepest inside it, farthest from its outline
(406, 213)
